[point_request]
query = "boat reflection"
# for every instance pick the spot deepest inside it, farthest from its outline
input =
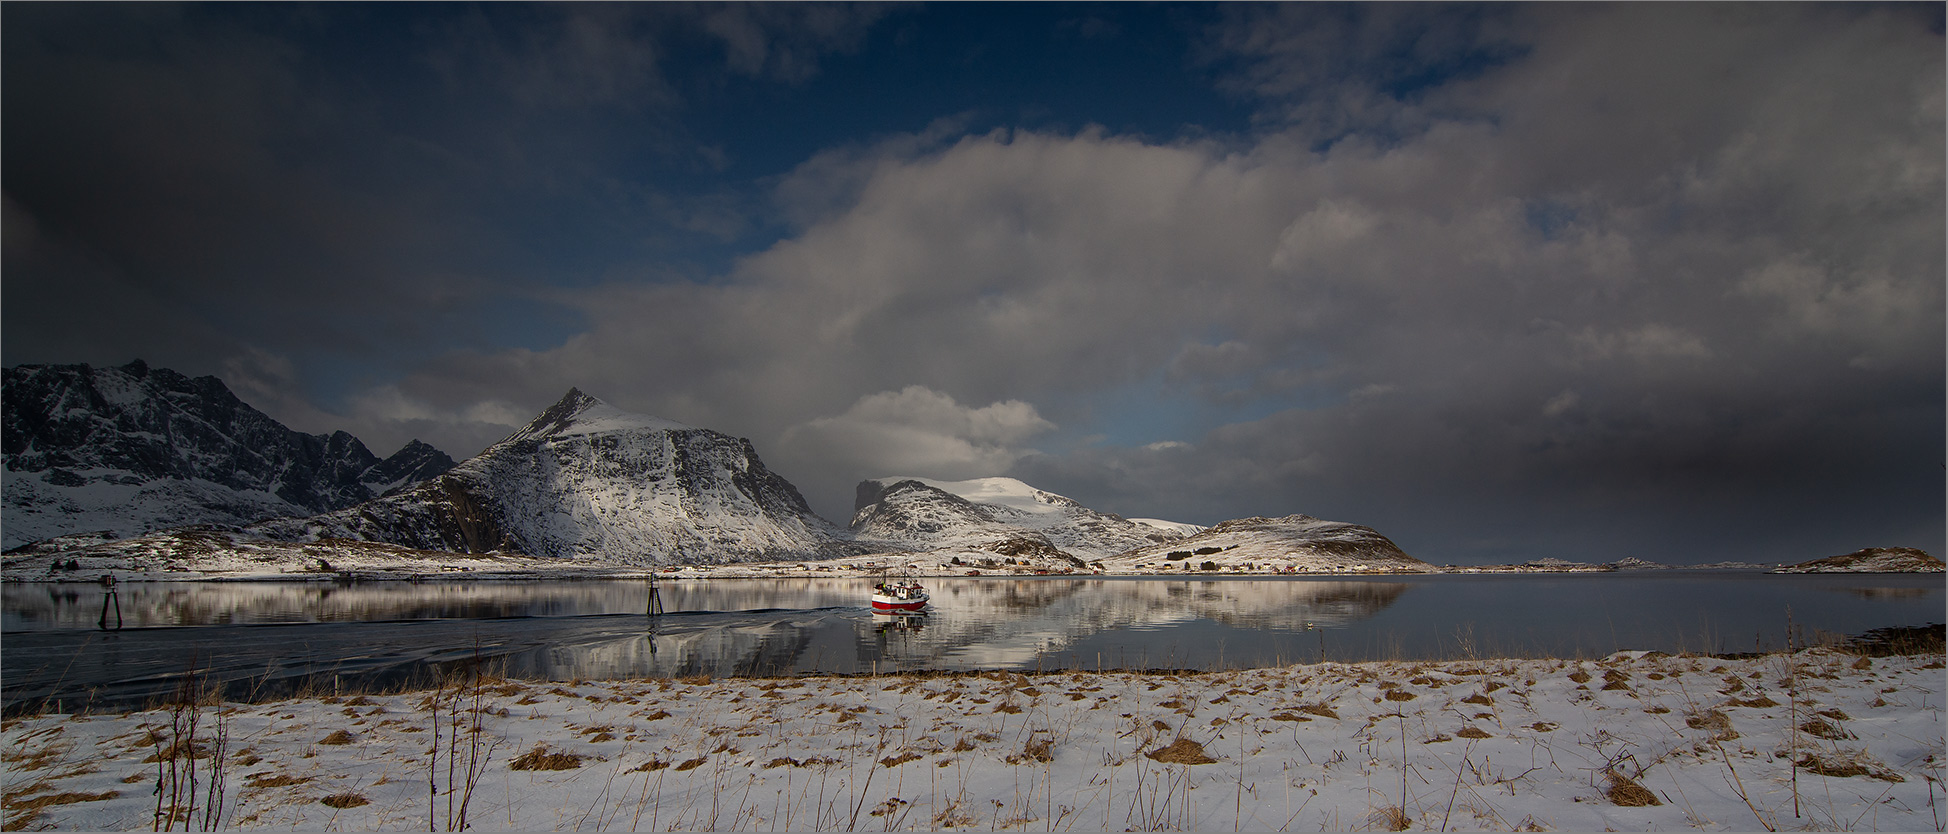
(273, 636)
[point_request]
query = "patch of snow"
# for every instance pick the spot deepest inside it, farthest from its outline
(602, 418)
(1178, 527)
(1628, 742)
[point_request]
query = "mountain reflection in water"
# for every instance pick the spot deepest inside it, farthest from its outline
(278, 637)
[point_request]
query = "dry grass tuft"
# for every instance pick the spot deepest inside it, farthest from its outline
(35, 803)
(541, 759)
(345, 800)
(1760, 702)
(1399, 695)
(1390, 818)
(889, 761)
(1821, 767)
(1320, 710)
(1625, 792)
(180, 749)
(1472, 732)
(1716, 721)
(1846, 763)
(1035, 750)
(954, 816)
(691, 764)
(278, 781)
(1182, 751)
(337, 737)
(1821, 728)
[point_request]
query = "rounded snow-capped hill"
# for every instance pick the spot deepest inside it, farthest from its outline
(1299, 543)
(1872, 560)
(1001, 515)
(587, 480)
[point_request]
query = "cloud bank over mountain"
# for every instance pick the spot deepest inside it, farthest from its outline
(1507, 282)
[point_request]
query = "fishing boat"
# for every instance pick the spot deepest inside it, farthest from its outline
(903, 596)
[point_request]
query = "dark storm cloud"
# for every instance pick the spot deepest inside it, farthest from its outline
(1503, 281)
(358, 185)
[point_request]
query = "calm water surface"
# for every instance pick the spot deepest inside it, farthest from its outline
(274, 638)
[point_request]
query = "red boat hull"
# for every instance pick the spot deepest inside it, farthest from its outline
(898, 606)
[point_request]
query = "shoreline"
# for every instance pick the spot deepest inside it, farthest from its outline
(1632, 740)
(484, 569)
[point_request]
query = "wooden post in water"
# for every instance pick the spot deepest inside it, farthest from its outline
(105, 601)
(654, 606)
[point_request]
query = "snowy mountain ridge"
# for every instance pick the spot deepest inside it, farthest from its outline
(133, 449)
(995, 515)
(585, 480)
(1294, 543)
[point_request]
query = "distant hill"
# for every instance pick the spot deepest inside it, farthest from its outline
(1299, 542)
(1871, 560)
(1001, 516)
(133, 449)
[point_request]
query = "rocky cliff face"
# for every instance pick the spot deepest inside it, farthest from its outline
(134, 448)
(996, 515)
(1300, 543)
(585, 480)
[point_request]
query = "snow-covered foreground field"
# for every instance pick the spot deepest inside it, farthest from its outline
(1818, 739)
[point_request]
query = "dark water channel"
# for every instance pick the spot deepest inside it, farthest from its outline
(271, 639)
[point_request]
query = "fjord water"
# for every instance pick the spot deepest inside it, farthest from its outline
(272, 638)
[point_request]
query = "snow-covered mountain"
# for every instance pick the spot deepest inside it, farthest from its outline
(996, 515)
(586, 480)
(134, 449)
(1300, 543)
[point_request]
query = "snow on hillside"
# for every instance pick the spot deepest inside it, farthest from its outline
(586, 480)
(210, 552)
(134, 449)
(1178, 527)
(113, 502)
(988, 516)
(1006, 493)
(1294, 543)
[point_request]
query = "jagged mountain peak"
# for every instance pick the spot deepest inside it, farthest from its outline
(578, 413)
(587, 480)
(136, 448)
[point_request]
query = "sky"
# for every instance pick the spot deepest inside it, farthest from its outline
(1503, 282)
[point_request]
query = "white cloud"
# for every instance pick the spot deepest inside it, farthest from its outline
(922, 432)
(1589, 227)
